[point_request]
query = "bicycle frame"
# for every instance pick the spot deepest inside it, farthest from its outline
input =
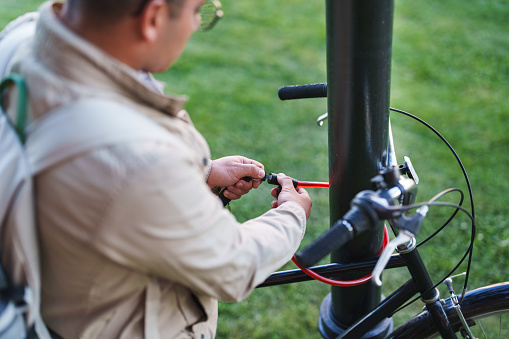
(420, 283)
(328, 271)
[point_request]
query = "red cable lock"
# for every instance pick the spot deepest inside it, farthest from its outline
(316, 184)
(316, 276)
(342, 283)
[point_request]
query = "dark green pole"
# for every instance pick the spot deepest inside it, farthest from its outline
(359, 46)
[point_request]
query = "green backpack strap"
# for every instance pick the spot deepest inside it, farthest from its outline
(21, 114)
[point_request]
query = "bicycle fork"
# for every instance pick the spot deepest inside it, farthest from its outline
(466, 332)
(420, 283)
(429, 295)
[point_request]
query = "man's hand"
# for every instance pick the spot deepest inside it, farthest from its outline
(290, 193)
(228, 172)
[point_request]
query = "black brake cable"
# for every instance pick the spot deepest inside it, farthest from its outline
(446, 204)
(435, 198)
(465, 175)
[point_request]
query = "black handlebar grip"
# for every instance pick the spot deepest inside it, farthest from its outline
(303, 91)
(335, 237)
(355, 221)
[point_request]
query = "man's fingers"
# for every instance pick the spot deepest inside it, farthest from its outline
(232, 196)
(248, 161)
(301, 190)
(285, 181)
(273, 192)
(241, 187)
(257, 172)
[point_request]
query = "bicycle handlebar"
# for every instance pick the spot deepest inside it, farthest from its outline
(303, 91)
(344, 230)
(368, 209)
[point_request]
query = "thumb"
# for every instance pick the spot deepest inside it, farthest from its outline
(286, 182)
(252, 171)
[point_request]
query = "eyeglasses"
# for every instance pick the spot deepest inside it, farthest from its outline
(210, 13)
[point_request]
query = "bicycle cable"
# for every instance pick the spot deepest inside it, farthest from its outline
(436, 197)
(467, 252)
(432, 202)
(342, 283)
(467, 180)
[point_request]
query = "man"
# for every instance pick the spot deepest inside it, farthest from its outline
(133, 242)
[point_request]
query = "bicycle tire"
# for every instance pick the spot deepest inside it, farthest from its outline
(480, 303)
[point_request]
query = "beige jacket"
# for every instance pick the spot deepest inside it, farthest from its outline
(134, 244)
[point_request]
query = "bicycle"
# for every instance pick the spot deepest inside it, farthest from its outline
(392, 199)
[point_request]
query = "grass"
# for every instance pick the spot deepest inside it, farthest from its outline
(450, 67)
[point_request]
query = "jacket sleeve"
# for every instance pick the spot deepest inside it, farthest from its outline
(167, 223)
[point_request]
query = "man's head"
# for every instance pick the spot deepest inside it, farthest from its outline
(145, 34)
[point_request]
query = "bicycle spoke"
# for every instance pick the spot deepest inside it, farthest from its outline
(490, 327)
(500, 326)
(482, 329)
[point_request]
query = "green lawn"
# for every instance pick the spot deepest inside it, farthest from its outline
(450, 67)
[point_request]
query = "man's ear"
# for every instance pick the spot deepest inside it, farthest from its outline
(152, 19)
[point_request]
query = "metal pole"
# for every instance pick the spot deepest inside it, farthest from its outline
(359, 46)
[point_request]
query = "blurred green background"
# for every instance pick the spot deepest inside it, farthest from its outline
(450, 67)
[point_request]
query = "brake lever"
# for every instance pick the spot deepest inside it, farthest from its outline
(404, 237)
(409, 226)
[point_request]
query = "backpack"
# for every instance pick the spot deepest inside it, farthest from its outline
(19, 265)
(19, 269)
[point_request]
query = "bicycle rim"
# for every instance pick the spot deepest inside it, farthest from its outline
(486, 310)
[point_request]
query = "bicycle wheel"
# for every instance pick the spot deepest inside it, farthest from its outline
(485, 309)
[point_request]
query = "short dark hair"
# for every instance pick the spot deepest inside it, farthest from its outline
(174, 13)
(113, 10)
(104, 9)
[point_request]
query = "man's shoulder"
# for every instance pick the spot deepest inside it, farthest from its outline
(88, 124)
(12, 36)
